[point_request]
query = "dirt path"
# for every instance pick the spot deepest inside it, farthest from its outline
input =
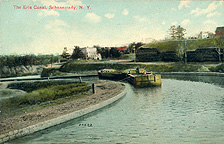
(103, 91)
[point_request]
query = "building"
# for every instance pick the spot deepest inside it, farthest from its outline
(91, 53)
(122, 48)
(205, 35)
(219, 31)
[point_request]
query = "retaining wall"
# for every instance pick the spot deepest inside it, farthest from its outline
(193, 73)
(49, 123)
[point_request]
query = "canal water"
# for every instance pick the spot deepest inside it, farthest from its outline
(177, 112)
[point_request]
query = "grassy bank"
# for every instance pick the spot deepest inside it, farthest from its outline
(78, 67)
(18, 75)
(177, 67)
(40, 96)
(31, 86)
(191, 44)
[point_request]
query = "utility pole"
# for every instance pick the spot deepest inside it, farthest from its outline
(185, 51)
(135, 54)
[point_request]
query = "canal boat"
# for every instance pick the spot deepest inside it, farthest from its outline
(141, 78)
(111, 74)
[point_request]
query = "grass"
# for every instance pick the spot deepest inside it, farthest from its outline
(17, 75)
(54, 94)
(31, 86)
(5, 92)
(177, 67)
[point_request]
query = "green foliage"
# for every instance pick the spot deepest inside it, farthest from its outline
(77, 53)
(12, 61)
(191, 44)
(178, 67)
(163, 45)
(219, 68)
(114, 53)
(31, 86)
(46, 72)
(177, 32)
(134, 46)
(106, 52)
(43, 95)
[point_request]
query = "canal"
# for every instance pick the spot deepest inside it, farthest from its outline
(181, 111)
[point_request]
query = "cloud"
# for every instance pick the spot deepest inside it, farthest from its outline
(56, 24)
(209, 22)
(141, 19)
(174, 23)
(211, 7)
(125, 12)
(163, 22)
(213, 14)
(185, 22)
(109, 15)
(183, 4)
(173, 9)
(48, 13)
(92, 17)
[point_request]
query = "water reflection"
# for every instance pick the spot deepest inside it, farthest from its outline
(216, 80)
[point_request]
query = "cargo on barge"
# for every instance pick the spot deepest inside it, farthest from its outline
(137, 77)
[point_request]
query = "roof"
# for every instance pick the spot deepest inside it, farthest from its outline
(121, 48)
(220, 28)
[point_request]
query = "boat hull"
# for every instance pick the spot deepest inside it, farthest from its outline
(113, 75)
(145, 80)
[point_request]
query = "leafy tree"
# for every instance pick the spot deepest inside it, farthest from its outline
(172, 32)
(135, 46)
(180, 32)
(77, 53)
(115, 53)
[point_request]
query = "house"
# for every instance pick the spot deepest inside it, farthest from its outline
(122, 48)
(205, 35)
(91, 53)
(219, 31)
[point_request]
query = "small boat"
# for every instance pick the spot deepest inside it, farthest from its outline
(111, 74)
(140, 78)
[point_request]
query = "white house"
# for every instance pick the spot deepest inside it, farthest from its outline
(205, 35)
(91, 52)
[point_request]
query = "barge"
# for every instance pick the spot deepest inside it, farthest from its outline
(141, 78)
(111, 74)
(137, 77)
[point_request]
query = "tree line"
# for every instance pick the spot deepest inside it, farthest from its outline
(12, 61)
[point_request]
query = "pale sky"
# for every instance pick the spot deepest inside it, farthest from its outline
(99, 22)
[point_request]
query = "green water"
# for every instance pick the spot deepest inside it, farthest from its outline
(178, 112)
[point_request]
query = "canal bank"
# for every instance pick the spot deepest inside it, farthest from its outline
(178, 112)
(106, 93)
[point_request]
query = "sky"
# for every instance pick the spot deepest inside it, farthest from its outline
(99, 22)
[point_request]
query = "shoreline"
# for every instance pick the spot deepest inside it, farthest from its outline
(106, 92)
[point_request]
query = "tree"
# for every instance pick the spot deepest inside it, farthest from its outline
(77, 53)
(172, 32)
(135, 46)
(115, 53)
(180, 32)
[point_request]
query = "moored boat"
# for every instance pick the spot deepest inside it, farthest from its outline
(111, 74)
(137, 77)
(140, 78)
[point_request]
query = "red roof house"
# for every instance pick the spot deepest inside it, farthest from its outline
(122, 48)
